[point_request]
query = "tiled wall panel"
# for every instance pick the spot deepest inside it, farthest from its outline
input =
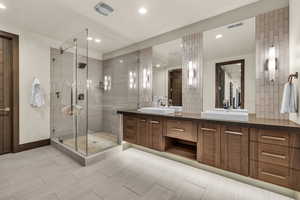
(271, 29)
(192, 98)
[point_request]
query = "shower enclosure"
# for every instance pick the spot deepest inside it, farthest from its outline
(76, 99)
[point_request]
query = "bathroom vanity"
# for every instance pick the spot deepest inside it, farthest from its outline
(267, 150)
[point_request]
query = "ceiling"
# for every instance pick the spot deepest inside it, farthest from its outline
(61, 19)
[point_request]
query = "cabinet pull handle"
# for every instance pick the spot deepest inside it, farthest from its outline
(178, 129)
(273, 175)
(273, 138)
(273, 155)
(208, 129)
(154, 122)
(234, 133)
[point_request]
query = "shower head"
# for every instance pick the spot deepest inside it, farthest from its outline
(104, 9)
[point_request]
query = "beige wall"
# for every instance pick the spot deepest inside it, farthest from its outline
(209, 79)
(295, 46)
(34, 62)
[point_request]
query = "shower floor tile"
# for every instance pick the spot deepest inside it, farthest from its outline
(97, 142)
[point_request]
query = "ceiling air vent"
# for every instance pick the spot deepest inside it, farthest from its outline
(235, 25)
(104, 9)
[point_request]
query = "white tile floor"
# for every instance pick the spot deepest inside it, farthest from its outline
(46, 174)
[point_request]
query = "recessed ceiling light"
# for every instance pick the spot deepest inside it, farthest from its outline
(2, 6)
(97, 40)
(89, 38)
(219, 36)
(158, 65)
(143, 11)
(121, 61)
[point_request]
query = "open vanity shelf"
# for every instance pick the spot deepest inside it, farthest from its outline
(181, 148)
(267, 150)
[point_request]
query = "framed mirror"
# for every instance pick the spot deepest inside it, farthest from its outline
(230, 84)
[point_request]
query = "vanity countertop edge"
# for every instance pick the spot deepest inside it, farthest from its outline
(252, 122)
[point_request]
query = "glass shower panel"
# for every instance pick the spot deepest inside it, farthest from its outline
(69, 93)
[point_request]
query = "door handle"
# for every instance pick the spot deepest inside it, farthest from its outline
(7, 109)
(233, 133)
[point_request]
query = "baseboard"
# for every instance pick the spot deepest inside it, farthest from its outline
(33, 145)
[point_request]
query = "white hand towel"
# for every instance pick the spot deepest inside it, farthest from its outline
(289, 99)
(37, 97)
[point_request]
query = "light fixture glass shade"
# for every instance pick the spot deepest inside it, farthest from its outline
(146, 78)
(192, 78)
(272, 63)
(132, 80)
(107, 83)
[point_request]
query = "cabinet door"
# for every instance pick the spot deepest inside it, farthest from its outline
(130, 129)
(156, 133)
(143, 136)
(235, 149)
(209, 146)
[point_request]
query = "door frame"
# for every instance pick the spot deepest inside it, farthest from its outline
(15, 88)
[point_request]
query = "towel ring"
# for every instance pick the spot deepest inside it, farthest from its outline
(292, 76)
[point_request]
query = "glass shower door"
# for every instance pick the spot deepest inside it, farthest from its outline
(69, 93)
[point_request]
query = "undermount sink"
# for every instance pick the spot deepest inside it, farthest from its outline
(227, 115)
(157, 110)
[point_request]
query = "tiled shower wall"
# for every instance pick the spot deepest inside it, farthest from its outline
(145, 94)
(192, 98)
(120, 96)
(271, 29)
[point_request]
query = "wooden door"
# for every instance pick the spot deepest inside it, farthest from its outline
(143, 136)
(235, 149)
(209, 145)
(175, 87)
(130, 129)
(5, 95)
(156, 133)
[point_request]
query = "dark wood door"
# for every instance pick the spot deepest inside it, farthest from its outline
(143, 136)
(209, 145)
(5, 95)
(235, 149)
(156, 133)
(175, 87)
(130, 127)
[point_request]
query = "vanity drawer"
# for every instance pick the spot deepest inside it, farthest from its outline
(278, 155)
(182, 129)
(270, 136)
(271, 173)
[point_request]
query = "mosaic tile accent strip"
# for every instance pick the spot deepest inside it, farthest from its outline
(272, 28)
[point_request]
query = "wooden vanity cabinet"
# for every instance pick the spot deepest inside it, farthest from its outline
(264, 153)
(275, 157)
(150, 132)
(209, 144)
(235, 149)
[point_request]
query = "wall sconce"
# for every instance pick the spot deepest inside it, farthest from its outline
(146, 79)
(132, 80)
(107, 83)
(272, 63)
(192, 77)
